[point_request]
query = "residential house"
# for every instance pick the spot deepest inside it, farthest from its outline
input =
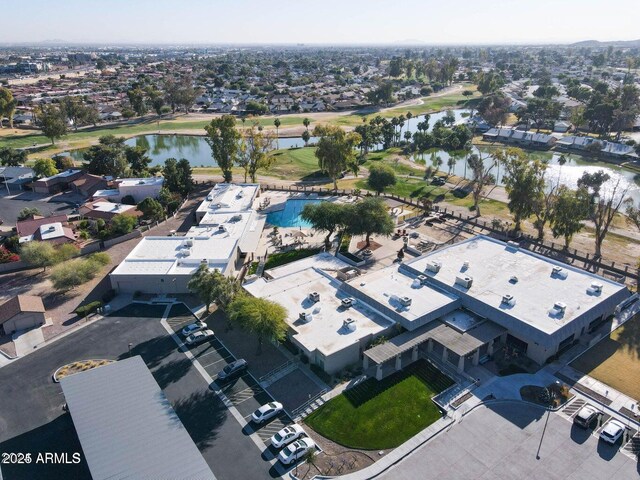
(21, 313)
(102, 209)
(87, 184)
(56, 183)
(55, 229)
(520, 138)
(15, 178)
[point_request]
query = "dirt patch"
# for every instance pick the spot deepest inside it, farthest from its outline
(373, 245)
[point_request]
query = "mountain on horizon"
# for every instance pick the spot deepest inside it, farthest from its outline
(613, 43)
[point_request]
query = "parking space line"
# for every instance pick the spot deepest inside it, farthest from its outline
(217, 361)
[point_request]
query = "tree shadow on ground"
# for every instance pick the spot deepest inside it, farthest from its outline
(171, 372)
(152, 351)
(202, 414)
(629, 335)
(519, 414)
(57, 436)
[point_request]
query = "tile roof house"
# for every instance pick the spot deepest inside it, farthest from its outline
(107, 210)
(56, 183)
(20, 313)
(519, 137)
(87, 184)
(55, 229)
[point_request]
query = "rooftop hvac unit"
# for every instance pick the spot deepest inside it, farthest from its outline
(423, 279)
(188, 242)
(187, 252)
(465, 265)
(221, 228)
(508, 300)
(314, 297)
(434, 266)
(209, 198)
(559, 272)
(558, 309)
(416, 283)
(305, 317)
(464, 281)
(348, 302)
(235, 218)
(349, 324)
(404, 301)
(513, 279)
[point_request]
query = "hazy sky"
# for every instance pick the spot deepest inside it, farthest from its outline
(324, 21)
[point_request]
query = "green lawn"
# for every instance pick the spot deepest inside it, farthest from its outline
(277, 259)
(379, 415)
(295, 163)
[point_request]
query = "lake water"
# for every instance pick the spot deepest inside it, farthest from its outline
(197, 151)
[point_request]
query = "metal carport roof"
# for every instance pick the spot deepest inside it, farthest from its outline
(127, 427)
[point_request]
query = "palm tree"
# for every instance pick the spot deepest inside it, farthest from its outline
(409, 117)
(276, 122)
(306, 122)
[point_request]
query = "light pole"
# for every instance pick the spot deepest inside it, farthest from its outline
(130, 345)
(550, 395)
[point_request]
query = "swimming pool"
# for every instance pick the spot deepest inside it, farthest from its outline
(290, 215)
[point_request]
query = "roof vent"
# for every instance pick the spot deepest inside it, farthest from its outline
(423, 279)
(314, 297)
(434, 266)
(508, 300)
(464, 281)
(513, 279)
(188, 242)
(465, 265)
(559, 272)
(305, 317)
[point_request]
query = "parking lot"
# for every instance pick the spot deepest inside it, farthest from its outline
(10, 206)
(244, 392)
(503, 441)
(32, 419)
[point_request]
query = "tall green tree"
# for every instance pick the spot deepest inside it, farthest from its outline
(184, 176)
(255, 151)
(52, 122)
(151, 209)
(108, 157)
(38, 254)
(211, 286)
(122, 224)
(571, 207)
(306, 122)
(11, 157)
(524, 182)
(138, 160)
(137, 100)
(7, 106)
(380, 177)
(277, 124)
(335, 152)
(326, 217)
(263, 318)
(224, 140)
(370, 216)
(44, 167)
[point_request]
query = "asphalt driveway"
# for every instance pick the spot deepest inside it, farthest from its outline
(32, 419)
(500, 441)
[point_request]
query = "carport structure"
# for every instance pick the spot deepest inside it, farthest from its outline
(439, 341)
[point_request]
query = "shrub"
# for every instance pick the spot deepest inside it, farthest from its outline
(101, 258)
(7, 257)
(88, 309)
(128, 200)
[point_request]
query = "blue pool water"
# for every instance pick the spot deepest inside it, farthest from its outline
(290, 215)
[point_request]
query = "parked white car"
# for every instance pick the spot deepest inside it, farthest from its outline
(267, 411)
(193, 328)
(287, 435)
(296, 450)
(198, 337)
(612, 431)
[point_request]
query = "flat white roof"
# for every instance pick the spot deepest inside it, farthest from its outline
(109, 207)
(388, 284)
(229, 197)
(492, 264)
(322, 261)
(246, 227)
(325, 332)
(107, 193)
(136, 182)
(178, 255)
(127, 427)
(51, 230)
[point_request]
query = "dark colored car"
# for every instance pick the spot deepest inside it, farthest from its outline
(586, 417)
(234, 369)
(438, 181)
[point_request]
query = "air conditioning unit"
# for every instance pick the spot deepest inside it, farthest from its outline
(596, 287)
(508, 300)
(423, 279)
(314, 297)
(349, 324)
(464, 281)
(221, 228)
(434, 266)
(188, 242)
(348, 302)
(559, 272)
(558, 309)
(405, 301)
